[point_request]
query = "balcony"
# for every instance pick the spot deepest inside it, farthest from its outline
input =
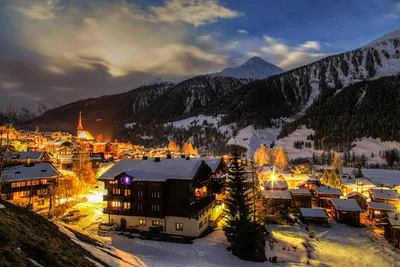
(116, 211)
(116, 198)
(201, 206)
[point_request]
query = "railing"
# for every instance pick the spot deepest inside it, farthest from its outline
(116, 198)
(117, 211)
(201, 206)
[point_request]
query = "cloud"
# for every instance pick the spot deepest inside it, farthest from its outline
(196, 12)
(242, 31)
(288, 57)
(122, 37)
(9, 85)
(253, 54)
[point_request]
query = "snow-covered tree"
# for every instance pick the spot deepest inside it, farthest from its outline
(281, 159)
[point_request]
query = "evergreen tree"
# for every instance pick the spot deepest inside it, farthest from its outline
(281, 159)
(334, 180)
(246, 237)
(337, 164)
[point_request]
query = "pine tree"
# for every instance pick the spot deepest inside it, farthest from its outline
(260, 156)
(246, 237)
(337, 164)
(172, 146)
(281, 159)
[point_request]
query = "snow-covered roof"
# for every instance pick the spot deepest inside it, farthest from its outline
(213, 163)
(85, 135)
(168, 168)
(327, 190)
(353, 194)
(386, 194)
(301, 192)
(295, 177)
(276, 184)
(277, 194)
(394, 219)
(315, 212)
(42, 170)
(33, 155)
(381, 206)
(346, 204)
(363, 182)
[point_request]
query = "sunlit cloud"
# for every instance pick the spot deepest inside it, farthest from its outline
(242, 31)
(205, 37)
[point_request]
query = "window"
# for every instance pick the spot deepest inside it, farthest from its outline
(127, 192)
(17, 195)
(200, 225)
(142, 222)
(113, 182)
(116, 191)
(42, 191)
(18, 184)
(115, 204)
(127, 205)
(179, 226)
(40, 202)
(155, 194)
(140, 207)
(140, 193)
(157, 223)
(44, 181)
(155, 207)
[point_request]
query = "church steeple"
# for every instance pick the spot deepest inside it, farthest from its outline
(80, 127)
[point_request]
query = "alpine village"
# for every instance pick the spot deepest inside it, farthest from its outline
(250, 166)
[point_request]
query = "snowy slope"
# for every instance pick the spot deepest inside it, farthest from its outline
(388, 36)
(254, 68)
(380, 177)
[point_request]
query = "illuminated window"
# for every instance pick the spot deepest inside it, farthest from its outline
(115, 204)
(113, 182)
(127, 205)
(157, 223)
(42, 191)
(17, 195)
(142, 222)
(116, 191)
(44, 181)
(179, 226)
(127, 192)
(200, 192)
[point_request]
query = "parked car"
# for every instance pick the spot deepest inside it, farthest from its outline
(72, 216)
(109, 226)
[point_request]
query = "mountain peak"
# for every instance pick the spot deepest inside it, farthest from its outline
(390, 35)
(254, 68)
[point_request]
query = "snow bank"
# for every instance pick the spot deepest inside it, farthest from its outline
(380, 176)
(370, 145)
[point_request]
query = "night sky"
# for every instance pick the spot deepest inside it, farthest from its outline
(59, 51)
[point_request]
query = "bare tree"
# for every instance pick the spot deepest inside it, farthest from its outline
(5, 154)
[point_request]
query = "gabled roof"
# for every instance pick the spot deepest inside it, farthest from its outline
(354, 182)
(85, 135)
(327, 190)
(386, 194)
(164, 169)
(295, 177)
(42, 170)
(277, 194)
(315, 212)
(33, 155)
(346, 204)
(213, 163)
(301, 192)
(381, 206)
(276, 184)
(394, 219)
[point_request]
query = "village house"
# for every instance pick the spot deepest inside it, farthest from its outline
(32, 156)
(314, 216)
(277, 201)
(28, 184)
(378, 210)
(301, 198)
(360, 198)
(346, 211)
(323, 194)
(385, 195)
(276, 185)
(293, 180)
(172, 195)
(360, 185)
(392, 228)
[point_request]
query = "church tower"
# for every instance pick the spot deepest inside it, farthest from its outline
(80, 127)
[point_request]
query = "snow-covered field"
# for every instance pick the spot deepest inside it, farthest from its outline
(380, 176)
(370, 145)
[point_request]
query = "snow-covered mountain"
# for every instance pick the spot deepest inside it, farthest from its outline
(255, 68)
(391, 35)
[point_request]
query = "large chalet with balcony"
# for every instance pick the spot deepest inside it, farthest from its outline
(174, 196)
(28, 184)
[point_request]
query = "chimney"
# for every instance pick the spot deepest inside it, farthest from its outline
(145, 157)
(182, 156)
(187, 158)
(169, 156)
(28, 161)
(157, 159)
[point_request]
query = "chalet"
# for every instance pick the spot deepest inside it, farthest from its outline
(309, 184)
(277, 200)
(301, 198)
(360, 198)
(361, 185)
(276, 185)
(323, 195)
(378, 210)
(384, 195)
(392, 229)
(314, 216)
(346, 211)
(172, 195)
(28, 184)
(293, 180)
